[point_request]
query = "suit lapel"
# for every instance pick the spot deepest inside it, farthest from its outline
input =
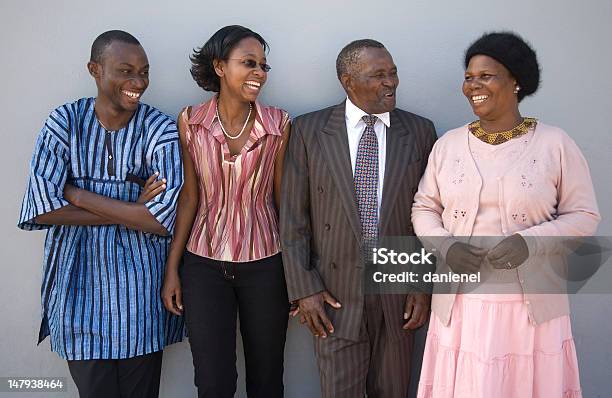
(396, 157)
(334, 143)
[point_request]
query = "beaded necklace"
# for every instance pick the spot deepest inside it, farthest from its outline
(502, 136)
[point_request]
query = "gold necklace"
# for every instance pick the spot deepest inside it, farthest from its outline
(502, 136)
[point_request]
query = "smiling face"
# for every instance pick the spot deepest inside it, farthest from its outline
(489, 88)
(242, 75)
(372, 82)
(122, 76)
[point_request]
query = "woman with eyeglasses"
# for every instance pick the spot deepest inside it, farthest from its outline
(227, 221)
(499, 197)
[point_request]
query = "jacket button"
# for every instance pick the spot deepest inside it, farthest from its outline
(320, 189)
(327, 227)
(333, 265)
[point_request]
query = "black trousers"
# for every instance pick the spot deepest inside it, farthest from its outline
(136, 377)
(214, 293)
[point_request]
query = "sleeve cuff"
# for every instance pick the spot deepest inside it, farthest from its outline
(306, 287)
(27, 220)
(160, 211)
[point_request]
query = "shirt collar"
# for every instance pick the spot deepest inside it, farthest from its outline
(354, 115)
(205, 115)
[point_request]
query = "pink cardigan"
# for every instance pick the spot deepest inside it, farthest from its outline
(547, 192)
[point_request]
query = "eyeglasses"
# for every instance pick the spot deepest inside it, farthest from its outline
(252, 64)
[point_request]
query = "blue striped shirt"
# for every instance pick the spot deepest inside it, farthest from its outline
(101, 283)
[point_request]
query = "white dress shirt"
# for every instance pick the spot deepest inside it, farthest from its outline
(355, 127)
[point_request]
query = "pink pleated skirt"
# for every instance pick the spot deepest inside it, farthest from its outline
(491, 350)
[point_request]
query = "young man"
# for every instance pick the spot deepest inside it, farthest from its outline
(108, 229)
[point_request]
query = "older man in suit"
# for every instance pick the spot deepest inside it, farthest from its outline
(351, 171)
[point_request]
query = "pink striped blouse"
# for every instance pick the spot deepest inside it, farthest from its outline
(236, 219)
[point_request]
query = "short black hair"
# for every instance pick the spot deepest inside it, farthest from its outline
(349, 55)
(510, 50)
(105, 39)
(218, 47)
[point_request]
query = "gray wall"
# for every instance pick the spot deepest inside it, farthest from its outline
(45, 46)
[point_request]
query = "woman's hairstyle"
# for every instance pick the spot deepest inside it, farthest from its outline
(218, 47)
(510, 50)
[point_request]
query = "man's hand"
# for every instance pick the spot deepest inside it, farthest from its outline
(416, 310)
(152, 188)
(171, 292)
(509, 253)
(465, 259)
(294, 310)
(312, 310)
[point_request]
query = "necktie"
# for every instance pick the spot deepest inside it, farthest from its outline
(366, 181)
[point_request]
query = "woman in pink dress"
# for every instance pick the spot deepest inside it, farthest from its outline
(492, 192)
(227, 221)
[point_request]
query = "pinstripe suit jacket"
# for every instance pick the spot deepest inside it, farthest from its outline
(320, 227)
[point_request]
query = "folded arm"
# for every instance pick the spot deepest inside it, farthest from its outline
(71, 215)
(44, 203)
(131, 214)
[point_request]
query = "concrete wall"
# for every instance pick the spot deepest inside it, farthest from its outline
(45, 47)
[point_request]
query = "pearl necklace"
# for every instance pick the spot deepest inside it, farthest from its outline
(233, 137)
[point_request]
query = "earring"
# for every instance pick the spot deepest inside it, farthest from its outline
(517, 89)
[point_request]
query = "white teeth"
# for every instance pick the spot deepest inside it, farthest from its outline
(131, 94)
(477, 99)
(253, 84)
